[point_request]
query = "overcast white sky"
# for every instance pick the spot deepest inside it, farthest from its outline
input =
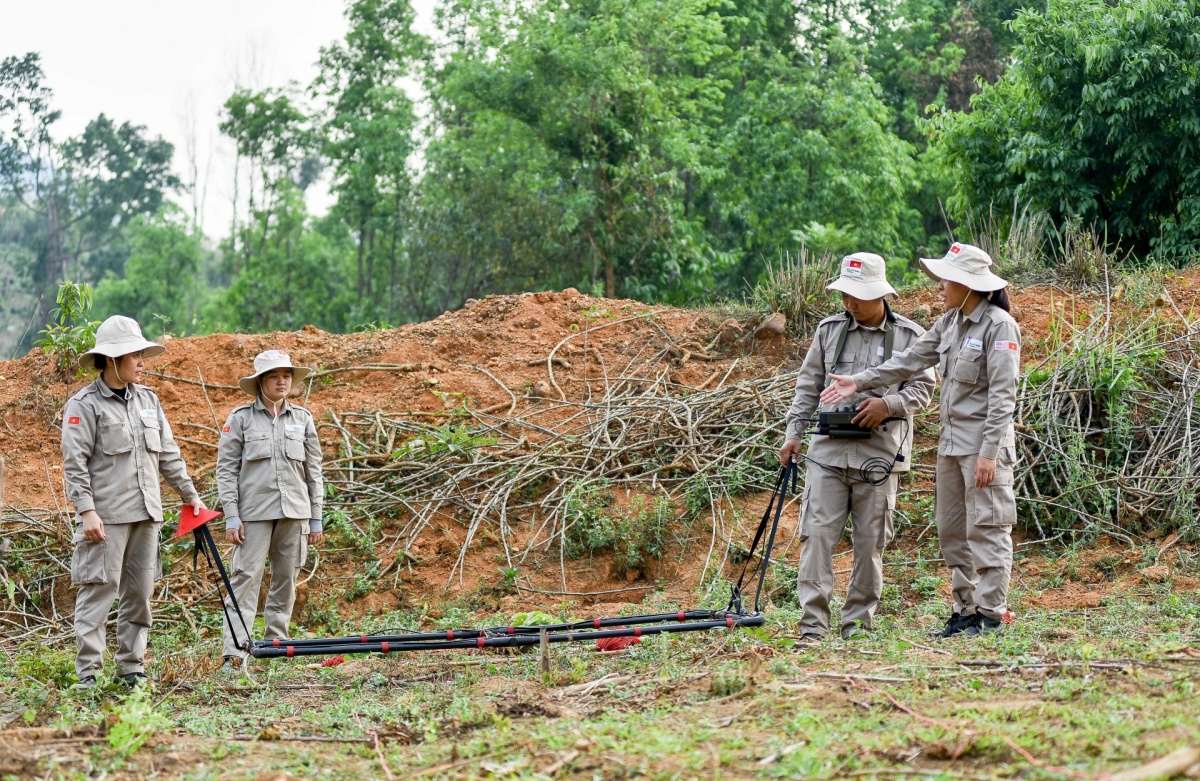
(153, 62)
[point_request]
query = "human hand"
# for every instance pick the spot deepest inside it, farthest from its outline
(842, 387)
(871, 412)
(93, 527)
(790, 452)
(236, 536)
(197, 505)
(985, 471)
(315, 537)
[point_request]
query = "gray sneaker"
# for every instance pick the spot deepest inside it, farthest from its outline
(985, 625)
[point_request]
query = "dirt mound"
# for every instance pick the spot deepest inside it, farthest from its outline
(503, 354)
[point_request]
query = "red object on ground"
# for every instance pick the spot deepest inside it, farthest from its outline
(189, 519)
(333, 661)
(1008, 617)
(616, 643)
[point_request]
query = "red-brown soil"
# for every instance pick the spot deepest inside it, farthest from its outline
(508, 336)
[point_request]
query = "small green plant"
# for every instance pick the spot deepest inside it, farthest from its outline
(136, 721)
(927, 585)
(796, 287)
(71, 333)
(508, 580)
(455, 440)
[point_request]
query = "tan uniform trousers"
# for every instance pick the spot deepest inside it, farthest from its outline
(975, 532)
(285, 544)
(829, 498)
(124, 565)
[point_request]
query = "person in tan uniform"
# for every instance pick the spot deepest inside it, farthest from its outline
(271, 489)
(977, 344)
(852, 477)
(116, 442)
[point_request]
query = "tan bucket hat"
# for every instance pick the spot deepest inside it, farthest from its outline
(265, 362)
(117, 336)
(967, 265)
(864, 275)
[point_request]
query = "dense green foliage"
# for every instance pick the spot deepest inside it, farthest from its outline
(667, 152)
(1098, 119)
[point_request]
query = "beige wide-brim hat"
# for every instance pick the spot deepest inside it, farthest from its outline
(967, 265)
(267, 361)
(864, 276)
(117, 336)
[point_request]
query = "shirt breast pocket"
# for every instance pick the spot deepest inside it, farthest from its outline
(966, 368)
(943, 358)
(114, 438)
(257, 446)
(843, 365)
(293, 445)
(153, 435)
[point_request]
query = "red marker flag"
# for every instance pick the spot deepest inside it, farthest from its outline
(189, 519)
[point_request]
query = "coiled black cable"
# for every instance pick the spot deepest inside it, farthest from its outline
(873, 471)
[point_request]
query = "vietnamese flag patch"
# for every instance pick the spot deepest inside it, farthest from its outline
(955, 249)
(73, 420)
(225, 429)
(855, 264)
(1002, 346)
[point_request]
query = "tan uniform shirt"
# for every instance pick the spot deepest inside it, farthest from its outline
(269, 467)
(114, 450)
(864, 348)
(980, 360)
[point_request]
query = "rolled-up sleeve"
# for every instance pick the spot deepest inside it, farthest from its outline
(1003, 369)
(229, 465)
(78, 443)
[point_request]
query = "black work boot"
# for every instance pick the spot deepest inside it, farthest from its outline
(984, 626)
(956, 624)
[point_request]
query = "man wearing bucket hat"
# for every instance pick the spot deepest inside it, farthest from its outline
(115, 443)
(269, 481)
(843, 478)
(977, 344)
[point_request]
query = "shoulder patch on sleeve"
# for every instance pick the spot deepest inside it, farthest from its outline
(73, 420)
(1006, 345)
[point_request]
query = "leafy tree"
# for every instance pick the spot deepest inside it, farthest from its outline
(368, 126)
(808, 156)
(163, 286)
(296, 275)
(621, 99)
(1099, 119)
(82, 192)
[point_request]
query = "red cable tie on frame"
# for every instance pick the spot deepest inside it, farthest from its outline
(682, 617)
(362, 638)
(275, 642)
(291, 651)
(383, 648)
(637, 631)
(596, 622)
(449, 634)
(479, 641)
(729, 622)
(512, 630)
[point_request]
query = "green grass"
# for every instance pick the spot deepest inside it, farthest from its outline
(1088, 690)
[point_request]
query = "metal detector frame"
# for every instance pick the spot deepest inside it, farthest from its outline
(734, 614)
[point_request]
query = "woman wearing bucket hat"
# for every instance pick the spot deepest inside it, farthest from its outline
(841, 478)
(116, 442)
(269, 481)
(978, 346)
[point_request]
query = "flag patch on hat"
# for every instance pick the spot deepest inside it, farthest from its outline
(1001, 346)
(853, 268)
(955, 249)
(73, 420)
